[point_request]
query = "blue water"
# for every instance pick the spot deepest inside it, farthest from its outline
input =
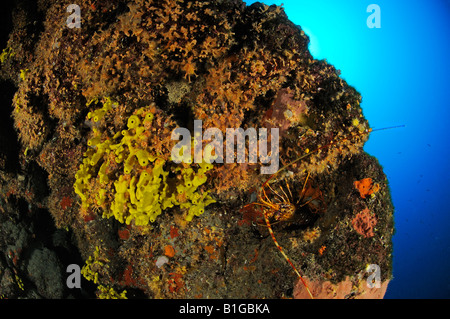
(402, 72)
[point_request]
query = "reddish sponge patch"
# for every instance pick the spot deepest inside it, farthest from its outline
(124, 234)
(66, 202)
(364, 222)
(366, 187)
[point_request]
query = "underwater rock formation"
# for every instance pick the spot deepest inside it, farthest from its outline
(90, 145)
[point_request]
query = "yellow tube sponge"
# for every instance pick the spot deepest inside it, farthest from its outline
(124, 176)
(133, 122)
(98, 114)
(144, 157)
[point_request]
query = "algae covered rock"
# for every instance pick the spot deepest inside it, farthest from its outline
(95, 109)
(46, 271)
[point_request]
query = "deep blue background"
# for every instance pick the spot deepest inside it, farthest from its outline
(402, 72)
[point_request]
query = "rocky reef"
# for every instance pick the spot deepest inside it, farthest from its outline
(87, 175)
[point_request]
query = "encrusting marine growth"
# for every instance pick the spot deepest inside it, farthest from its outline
(93, 110)
(123, 175)
(91, 270)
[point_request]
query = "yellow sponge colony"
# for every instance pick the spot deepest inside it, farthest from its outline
(128, 181)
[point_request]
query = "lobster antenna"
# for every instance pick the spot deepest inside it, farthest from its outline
(387, 128)
(368, 131)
